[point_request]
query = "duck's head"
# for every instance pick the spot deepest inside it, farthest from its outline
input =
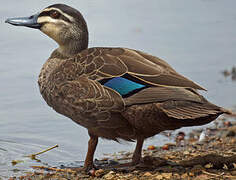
(60, 22)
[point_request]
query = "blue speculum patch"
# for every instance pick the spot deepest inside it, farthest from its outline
(123, 86)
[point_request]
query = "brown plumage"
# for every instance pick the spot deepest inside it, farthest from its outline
(74, 81)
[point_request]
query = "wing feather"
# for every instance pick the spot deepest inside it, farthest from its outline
(161, 94)
(147, 68)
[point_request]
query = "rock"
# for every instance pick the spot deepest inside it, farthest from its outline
(180, 136)
(184, 176)
(99, 173)
(165, 147)
(208, 166)
(203, 136)
(167, 175)
(233, 71)
(159, 177)
(110, 175)
(233, 141)
(230, 134)
(233, 172)
(112, 162)
(191, 174)
(227, 124)
(226, 73)
(128, 176)
(154, 161)
(197, 169)
(148, 174)
(92, 172)
(151, 147)
(186, 153)
(202, 177)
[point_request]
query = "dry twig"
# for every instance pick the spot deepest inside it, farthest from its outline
(32, 156)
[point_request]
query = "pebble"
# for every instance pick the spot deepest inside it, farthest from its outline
(208, 166)
(184, 176)
(186, 153)
(231, 134)
(227, 123)
(165, 147)
(159, 177)
(147, 174)
(112, 162)
(202, 136)
(92, 172)
(110, 175)
(99, 172)
(151, 147)
(191, 174)
(167, 175)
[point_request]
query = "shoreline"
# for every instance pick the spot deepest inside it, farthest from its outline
(201, 155)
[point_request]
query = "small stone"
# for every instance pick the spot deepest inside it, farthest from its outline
(92, 172)
(233, 70)
(165, 147)
(147, 174)
(151, 147)
(202, 177)
(110, 175)
(186, 153)
(197, 169)
(230, 134)
(233, 141)
(233, 173)
(234, 164)
(167, 175)
(191, 174)
(225, 167)
(159, 177)
(128, 176)
(184, 176)
(176, 176)
(208, 166)
(99, 172)
(226, 73)
(112, 162)
(227, 123)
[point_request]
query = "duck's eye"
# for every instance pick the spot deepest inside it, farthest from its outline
(55, 14)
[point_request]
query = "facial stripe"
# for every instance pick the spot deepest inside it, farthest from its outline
(47, 19)
(60, 11)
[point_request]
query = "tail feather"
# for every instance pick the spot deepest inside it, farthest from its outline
(228, 112)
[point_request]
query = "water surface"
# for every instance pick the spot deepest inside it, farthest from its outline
(198, 38)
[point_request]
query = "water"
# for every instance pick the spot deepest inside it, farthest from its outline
(197, 38)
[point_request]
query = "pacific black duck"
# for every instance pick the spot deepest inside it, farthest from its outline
(116, 93)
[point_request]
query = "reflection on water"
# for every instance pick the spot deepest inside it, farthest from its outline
(198, 38)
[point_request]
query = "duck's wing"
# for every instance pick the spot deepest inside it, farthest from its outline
(85, 101)
(147, 69)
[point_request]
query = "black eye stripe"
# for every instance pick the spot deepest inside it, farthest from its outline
(44, 13)
(47, 13)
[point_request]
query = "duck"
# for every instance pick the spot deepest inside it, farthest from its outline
(115, 93)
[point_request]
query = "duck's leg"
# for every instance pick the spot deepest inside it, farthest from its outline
(92, 144)
(137, 155)
(138, 151)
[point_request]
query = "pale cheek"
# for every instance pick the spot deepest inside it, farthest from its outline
(52, 31)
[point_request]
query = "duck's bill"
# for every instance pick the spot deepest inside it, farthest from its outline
(25, 21)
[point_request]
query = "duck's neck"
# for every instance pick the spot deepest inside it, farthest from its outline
(73, 46)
